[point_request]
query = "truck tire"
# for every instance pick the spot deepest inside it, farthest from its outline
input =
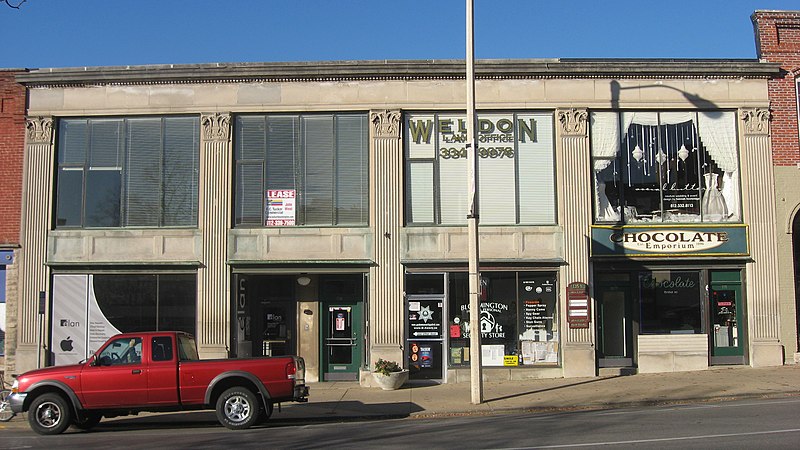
(237, 408)
(50, 414)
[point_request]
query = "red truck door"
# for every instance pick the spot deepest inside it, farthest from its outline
(117, 377)
(162, 373)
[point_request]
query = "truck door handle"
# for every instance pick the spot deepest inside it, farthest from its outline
(136, 371)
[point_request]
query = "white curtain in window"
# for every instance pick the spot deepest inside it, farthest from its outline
(605, 138)
(718, 132)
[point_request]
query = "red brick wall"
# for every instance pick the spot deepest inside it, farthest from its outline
(12, 144)
(778, 41)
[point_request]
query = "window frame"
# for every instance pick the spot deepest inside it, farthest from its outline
(736, 216)
(301, 169)
(123, 213)
(434, 161)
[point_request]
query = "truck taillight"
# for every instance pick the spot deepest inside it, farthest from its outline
(291, 370)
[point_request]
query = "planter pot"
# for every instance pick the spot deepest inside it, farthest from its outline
(392, 381)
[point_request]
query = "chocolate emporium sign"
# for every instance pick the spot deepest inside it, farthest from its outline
(674, 240)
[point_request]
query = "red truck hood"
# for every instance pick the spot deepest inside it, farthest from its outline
(28, 378)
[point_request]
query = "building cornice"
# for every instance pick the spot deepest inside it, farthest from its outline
(399, 70)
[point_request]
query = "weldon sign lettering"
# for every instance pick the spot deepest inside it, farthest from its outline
(646, 241)
(496, 135)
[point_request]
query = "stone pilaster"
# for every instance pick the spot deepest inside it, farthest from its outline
(213, 276)
(763, 302)
(33, 274)
(575, 209)
(386, 277)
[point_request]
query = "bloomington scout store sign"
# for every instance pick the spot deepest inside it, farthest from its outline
(676, 240)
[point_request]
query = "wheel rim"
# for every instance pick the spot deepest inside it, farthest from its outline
(237, 408)
(48, 415)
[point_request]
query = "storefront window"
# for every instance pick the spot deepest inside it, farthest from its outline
(147, 302)
(670, 302)
(89, 309)
(519, 318)
(516, 168)
(665, 167)
(309, 169)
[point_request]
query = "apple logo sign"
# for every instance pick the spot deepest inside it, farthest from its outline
(66, 344)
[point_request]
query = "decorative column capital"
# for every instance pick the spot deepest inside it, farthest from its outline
(755, 121)
(216, 126)
(39, 130)
(573, 121)
(385, 124)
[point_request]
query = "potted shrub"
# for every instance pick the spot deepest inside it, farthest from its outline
(389, 375)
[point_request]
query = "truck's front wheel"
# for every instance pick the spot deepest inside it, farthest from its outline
(237, 408)
(49, 414)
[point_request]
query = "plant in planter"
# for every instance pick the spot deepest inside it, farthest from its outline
(389, 375)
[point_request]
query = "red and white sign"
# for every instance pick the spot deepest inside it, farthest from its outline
(578, 309)
(279, 208)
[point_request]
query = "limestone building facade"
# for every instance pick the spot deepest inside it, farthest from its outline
(627, 214)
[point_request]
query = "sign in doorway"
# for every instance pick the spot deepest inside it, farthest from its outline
(425, 340)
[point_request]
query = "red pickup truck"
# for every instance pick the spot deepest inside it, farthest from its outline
(156, 371)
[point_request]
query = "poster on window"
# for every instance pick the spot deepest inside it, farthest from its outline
(79, 327)
(425, 319)
(68, 332)
(538, 319)
(279, 209)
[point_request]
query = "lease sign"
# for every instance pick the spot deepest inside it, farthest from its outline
(279, 208)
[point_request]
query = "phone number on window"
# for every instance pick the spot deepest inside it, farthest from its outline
(484, 152)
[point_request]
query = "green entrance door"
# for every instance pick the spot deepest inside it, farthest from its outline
(727, 338)
(342, 328)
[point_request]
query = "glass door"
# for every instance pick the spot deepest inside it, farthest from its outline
(341, 349)
(425, 337)
(342, 327)
(614, 323)
(725, 298)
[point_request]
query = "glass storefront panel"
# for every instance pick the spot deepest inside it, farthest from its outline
(670, 302)
(89, 308)
(519, 317)
(674, 167)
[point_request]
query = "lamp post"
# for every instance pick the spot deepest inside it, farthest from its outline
(476, 376)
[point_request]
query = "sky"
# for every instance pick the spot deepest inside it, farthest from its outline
(78, 33)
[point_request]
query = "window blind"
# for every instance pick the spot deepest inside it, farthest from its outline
(319, 169)
(351, 170)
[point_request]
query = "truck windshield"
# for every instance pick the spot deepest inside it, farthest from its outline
(187, 351)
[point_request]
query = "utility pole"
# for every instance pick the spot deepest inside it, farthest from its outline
(476, 373)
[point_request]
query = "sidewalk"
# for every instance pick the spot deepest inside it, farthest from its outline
(349, 400)
(336, 401)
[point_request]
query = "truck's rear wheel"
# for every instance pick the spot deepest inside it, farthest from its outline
(49, 414)
(237, 408)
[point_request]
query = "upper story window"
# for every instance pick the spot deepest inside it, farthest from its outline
(127, 172)
(302, 169)
(665, 167)
(516, 168)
